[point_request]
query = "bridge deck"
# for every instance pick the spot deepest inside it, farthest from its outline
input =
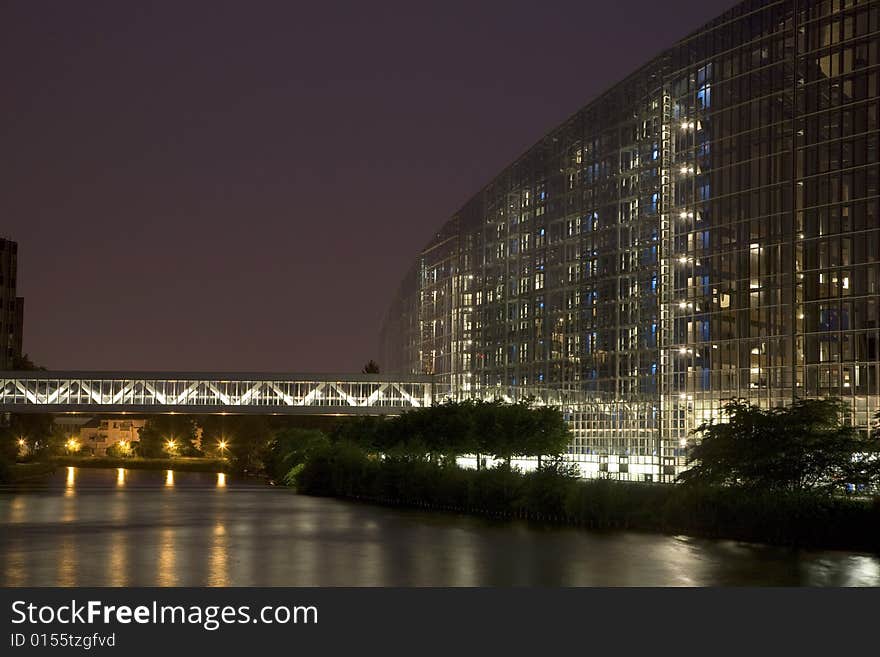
(212, 392)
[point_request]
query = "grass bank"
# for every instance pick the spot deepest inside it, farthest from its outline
(25, 471)
(794, 519)
(181, 464)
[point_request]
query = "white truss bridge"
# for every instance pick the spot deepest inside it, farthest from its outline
(202, 392)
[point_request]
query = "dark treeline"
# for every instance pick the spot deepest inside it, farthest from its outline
(437, 434)
(445, 431)
(36, 432)
(775, 476)
(257, 444)
(553, 494)
(240, 443)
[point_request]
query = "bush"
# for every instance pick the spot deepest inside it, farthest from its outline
(554, 493)
(117, 452)
(342, 469)
(290, 449)
(805, 446)
(546, 490)
(495, 490)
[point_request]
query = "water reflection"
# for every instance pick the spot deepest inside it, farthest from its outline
(67, 562)
(119, 560)
(70, 484)
(218, 562)
(166, 574)
(143, 528)
(864, 571)
(15, 567)
(69, 506)
(17, 509)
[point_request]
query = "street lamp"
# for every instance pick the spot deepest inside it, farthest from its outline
(221, 445)
(170, 445)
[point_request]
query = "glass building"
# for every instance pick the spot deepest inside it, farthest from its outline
(706, 229)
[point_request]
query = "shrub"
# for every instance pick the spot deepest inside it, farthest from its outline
(553, 492)
(290, 449)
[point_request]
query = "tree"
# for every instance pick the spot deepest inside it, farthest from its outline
(54, 443)
(246, 439)
(8, 445)
(38, 431)
(217, 431)
(806, 446)
(291, 448)
(526, 430)
(168, 435)
(550, 435)
(372, 367)
(369, 432)
(515, 424)
(448, 430)
(24, 363)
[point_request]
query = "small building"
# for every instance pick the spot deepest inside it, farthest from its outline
(96, 434)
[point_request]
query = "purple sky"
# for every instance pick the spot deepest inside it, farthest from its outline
(241, 186)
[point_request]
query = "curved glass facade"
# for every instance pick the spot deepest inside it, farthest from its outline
(706, 229)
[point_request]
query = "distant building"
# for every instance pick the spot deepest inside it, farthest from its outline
(99, 434)
(11, 306)
(95, 434)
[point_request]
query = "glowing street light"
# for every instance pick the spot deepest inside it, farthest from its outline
(170, 445)
(222, 445)
(72, 445)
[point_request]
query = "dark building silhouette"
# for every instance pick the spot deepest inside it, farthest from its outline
(706, 229)
(11, 306)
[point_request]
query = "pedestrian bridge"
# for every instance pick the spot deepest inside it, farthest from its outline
(212, 393)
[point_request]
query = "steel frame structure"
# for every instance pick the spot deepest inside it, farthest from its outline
(200, 392)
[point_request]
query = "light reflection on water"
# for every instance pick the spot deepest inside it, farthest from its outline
(70, 483)
(67, 562)
(218, 574)
(118, 565)
(17, 509)
(143, 528)
(166, 574)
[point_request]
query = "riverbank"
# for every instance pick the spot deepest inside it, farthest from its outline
(18, 472)
(791, 519)
(179, 464)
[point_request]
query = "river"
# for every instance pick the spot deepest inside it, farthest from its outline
(91, 527)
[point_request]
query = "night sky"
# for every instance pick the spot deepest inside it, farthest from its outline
(241, 186)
